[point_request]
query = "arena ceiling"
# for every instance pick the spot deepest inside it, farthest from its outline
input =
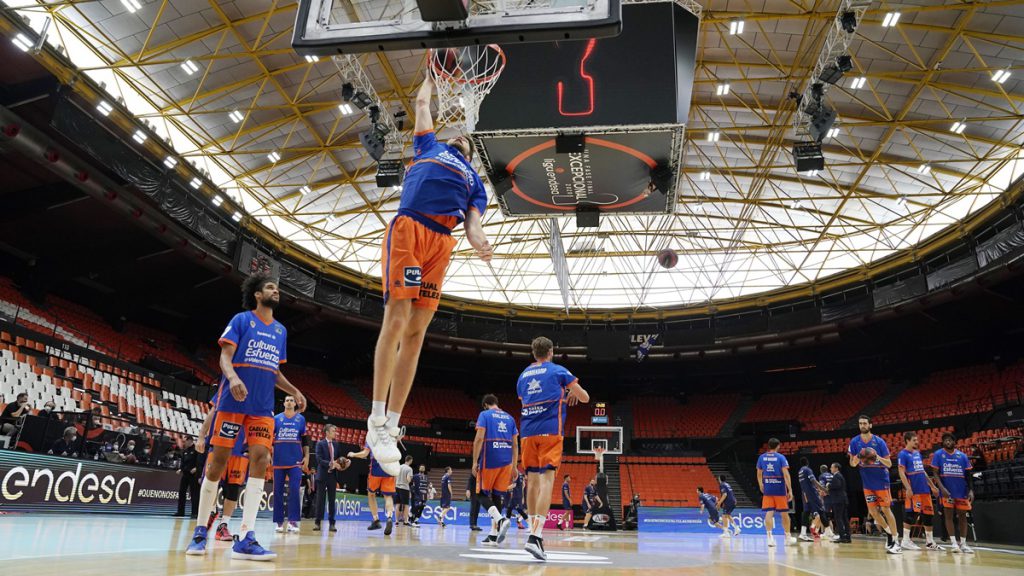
(220, 81)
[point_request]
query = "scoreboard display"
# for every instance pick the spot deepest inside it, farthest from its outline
(600, 416)
(643, 76)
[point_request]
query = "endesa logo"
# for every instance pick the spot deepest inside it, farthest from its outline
(70, 486)
(746, 521)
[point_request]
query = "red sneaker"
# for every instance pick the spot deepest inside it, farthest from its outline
(223, 534)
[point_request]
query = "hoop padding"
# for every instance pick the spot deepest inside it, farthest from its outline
(463, 77)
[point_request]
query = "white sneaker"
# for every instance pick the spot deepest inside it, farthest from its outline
(279, 528)
(792, 540)
(894, 549)
(836, 538)
(934, 546)
(966, 549)
(293, 527)
(829, 534)
(805, 538)
(725, 535)
(736, 530)
(909, 544)
(771, 542)
(383, 444)
(954, 548)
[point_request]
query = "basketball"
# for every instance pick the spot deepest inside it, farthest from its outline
(868, 454)
(344, 464)
(668, 258)
(444, 62)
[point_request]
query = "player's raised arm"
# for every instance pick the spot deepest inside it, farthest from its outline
(424, 121)
(475, 234)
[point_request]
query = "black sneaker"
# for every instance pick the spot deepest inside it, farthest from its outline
(490, 541)
(333, 528)
(475, 528)
(375, 525)
(387, 527)
(316, 527)
(535, 546)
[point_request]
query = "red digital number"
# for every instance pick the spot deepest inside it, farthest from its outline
(587, 78)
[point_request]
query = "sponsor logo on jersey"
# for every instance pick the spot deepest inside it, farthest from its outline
(413, 276)
(229, 430)
(533, 386)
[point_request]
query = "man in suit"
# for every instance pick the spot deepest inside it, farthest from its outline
(837, 496)
(329, 463)
(192, 463)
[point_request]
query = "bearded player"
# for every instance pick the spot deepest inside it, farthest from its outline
(545, 389)
(919, 490)
(871, 454)
(952, 475)
(253, 347)
(440, 191)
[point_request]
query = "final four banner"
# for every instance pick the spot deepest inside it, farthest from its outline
(690, 520)
(355, 507)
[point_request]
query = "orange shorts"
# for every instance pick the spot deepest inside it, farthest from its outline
(780, 503)
(237, 470)
(414, 261)
(494, 479)
(919, 503)
(956, 503)
(259, 430)
(876, 498)
(376, 484)
(541, 453)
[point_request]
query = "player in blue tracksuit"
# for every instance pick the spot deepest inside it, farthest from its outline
(727, 503)
(446, 494)
(420, 489)
(516, 504)
(709, 503)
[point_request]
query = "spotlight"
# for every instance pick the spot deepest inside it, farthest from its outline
(808, 156)
(374, 114)
(890, 19)
(361, 99)
(390, 172)
(848, 21)
(736, 27)
(347, 91)
(346, 109)
(373, 141)
(822, 119)
(817, 90)
(858, 82)
(1001, 76)
(844, 62)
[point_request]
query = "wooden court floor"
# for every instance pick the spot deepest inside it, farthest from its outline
(101, 545)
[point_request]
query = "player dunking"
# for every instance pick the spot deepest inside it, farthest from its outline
(441, 189)
(919, 490)
(253, 347)
(495, 457)
(291, 456)
(871, 454)
(545, 389)
(952, 474)
(777, 488)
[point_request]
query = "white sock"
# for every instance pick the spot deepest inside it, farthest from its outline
(207, 500)
(495, 514)
(253, 494)
(378, 408)
(928, 537)
(393, 419)
(538, 526)
(803, 530)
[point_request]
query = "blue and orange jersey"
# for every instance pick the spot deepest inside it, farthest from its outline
(288, 433)
(499, 434)
(542, 388)
(709, 502)
(874, 476)
(773, 467)
(260, 349)
(440, 182)
(912, 465)
(953, 467)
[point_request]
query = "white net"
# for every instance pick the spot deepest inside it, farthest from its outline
(463, 77)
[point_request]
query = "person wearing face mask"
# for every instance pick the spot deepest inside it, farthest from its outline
(67, 445)
(49, 411)
(14, 413)
(128, 451)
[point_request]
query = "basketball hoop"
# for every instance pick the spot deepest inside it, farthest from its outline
(464, 76)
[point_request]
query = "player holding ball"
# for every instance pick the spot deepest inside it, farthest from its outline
(871, 454)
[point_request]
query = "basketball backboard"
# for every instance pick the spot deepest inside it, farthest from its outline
(589, 438)
(332, 27)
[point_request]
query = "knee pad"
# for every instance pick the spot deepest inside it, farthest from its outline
(231, 492)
